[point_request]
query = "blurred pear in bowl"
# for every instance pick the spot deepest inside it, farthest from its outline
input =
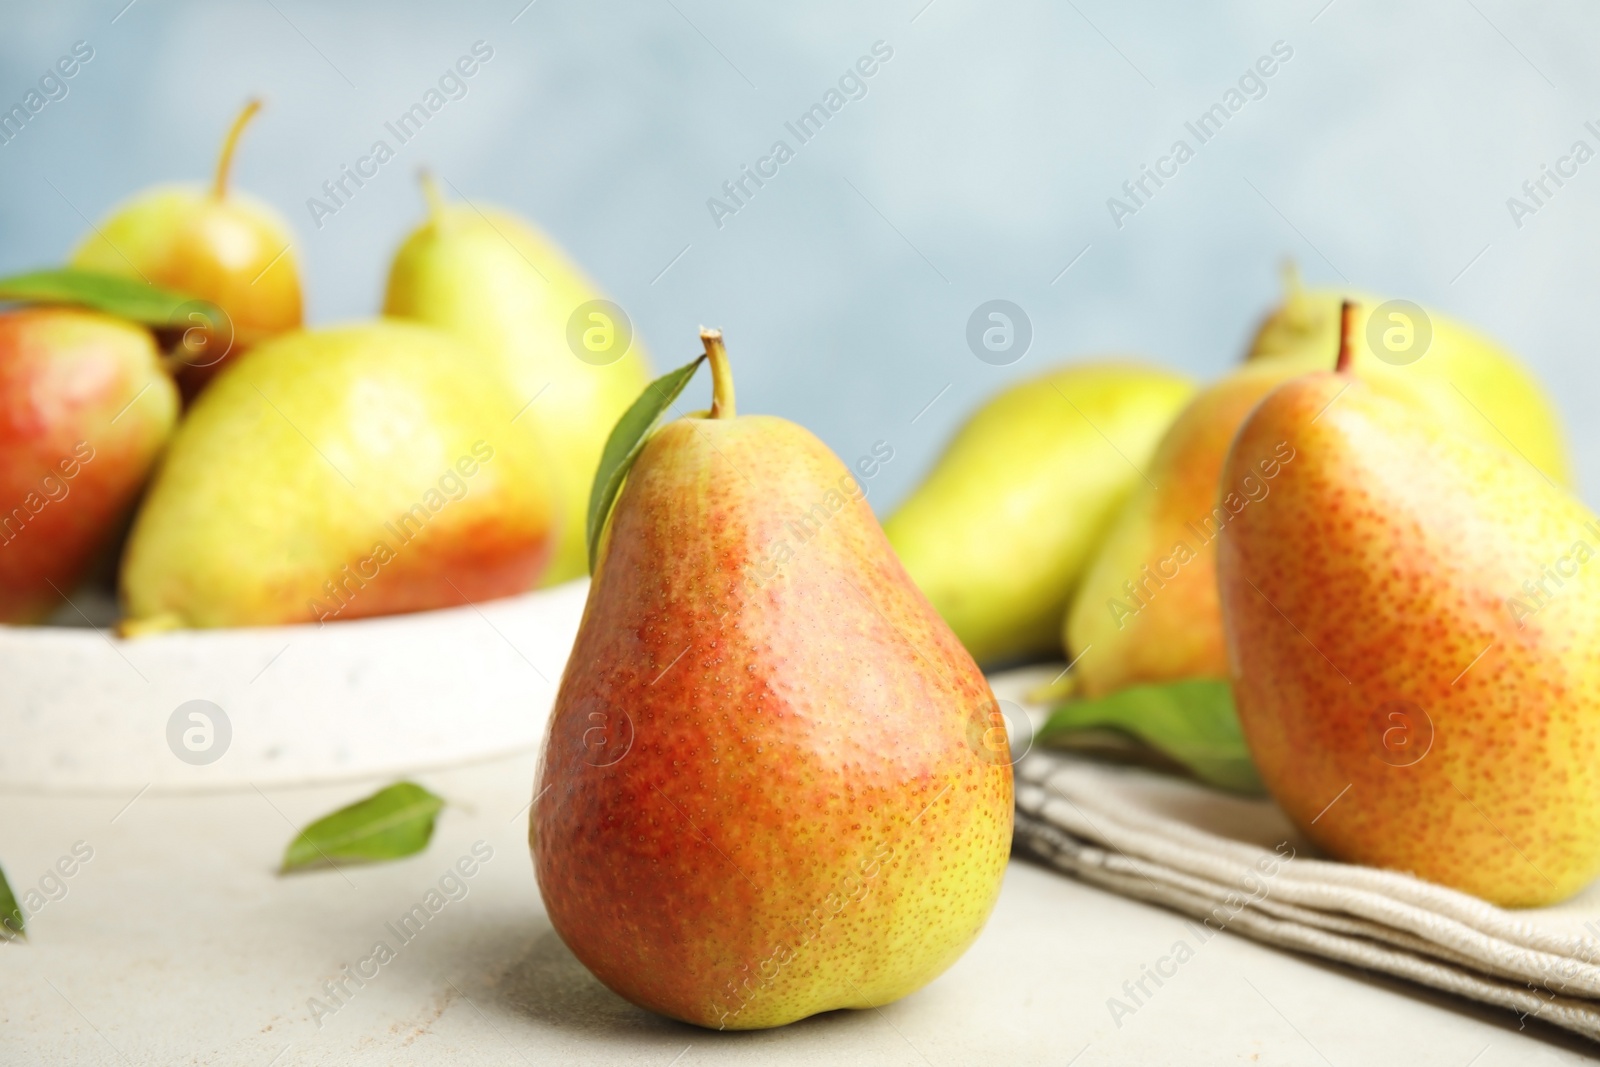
(85, 409)
(227, 249)
(998, 535)
(335, 474)
(569, 355)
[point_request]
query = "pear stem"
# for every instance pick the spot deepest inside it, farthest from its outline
(1347, 314)
(219, 185)
(1289, 273)
(721, 375)
(430, 192)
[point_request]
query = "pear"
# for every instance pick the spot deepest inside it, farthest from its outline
(335, 474)
(1466, 380)
(1146, 612)
(85, 409)
(496, 281)
(763, 797)
(999, 534)
(1411, 619)
(215, 244)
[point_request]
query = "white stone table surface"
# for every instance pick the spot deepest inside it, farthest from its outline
(176, 943)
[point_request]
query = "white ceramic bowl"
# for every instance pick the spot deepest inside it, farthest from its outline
(84, 711)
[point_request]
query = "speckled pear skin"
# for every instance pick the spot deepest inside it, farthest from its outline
(1169, 627)
(1399, 551)
(767, 789)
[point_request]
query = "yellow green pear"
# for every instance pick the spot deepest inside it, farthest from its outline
(1147, 609)
(1412, 618)
(216, 244)
(999, 534)
(1463, 377)
(570, 357)
(335, 474)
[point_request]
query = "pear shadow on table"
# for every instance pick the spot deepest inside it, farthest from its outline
(549, 986)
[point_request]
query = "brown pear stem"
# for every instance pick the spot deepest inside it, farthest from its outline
(430, 192)
(721, 375)
(219, 186)
(1347, 314)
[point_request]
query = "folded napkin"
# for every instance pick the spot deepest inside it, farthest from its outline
(1206, 855)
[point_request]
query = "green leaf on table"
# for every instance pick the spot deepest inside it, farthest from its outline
(126, 298)
(11, 919)
(626, 442)
(391, 823)
(1191, 722)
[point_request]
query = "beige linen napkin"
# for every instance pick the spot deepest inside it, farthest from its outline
(1236, 865)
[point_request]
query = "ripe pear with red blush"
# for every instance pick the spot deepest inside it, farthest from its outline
(334, 474)
(220, 246)
(1146, 611)
(85, 409)
(770, 786)
(1413, 627)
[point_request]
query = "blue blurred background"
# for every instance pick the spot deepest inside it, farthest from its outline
(977, 166)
